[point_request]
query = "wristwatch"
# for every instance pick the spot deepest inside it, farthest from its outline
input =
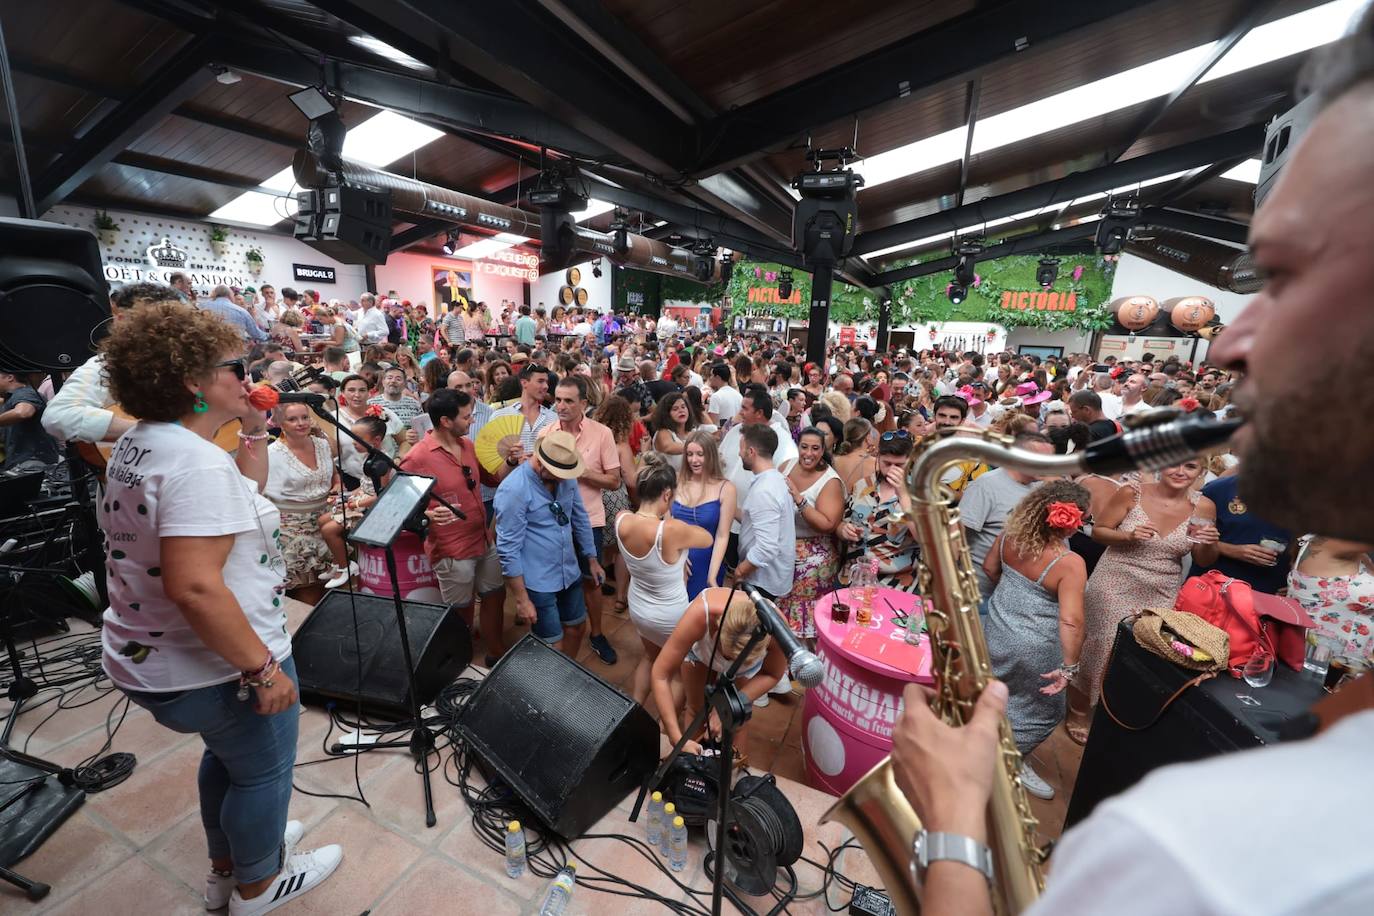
(928, 847)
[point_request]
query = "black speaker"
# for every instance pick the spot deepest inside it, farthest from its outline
(350, 224)
(54, 301)
(570, 745)
(326, 650)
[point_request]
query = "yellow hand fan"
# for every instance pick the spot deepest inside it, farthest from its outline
(497, 437)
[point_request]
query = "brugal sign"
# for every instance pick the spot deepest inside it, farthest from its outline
(309, 272)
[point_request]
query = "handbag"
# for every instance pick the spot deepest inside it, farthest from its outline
(1179, 637)
(1231, 605)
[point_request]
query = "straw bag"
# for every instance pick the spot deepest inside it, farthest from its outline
(1182, 638)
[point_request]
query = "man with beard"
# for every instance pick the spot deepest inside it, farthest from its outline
(1155, 848)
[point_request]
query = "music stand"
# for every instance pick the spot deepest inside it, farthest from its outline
(397, 506)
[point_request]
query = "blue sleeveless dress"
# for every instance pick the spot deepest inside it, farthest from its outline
(706, 515)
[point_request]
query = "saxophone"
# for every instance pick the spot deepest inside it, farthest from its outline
(874, 809)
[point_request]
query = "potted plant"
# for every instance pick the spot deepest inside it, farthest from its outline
(106, 228)
(219, 240)
(254, 258)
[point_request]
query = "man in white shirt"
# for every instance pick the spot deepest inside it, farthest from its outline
(767, 535)
(1132, 400)
(724, 401)
(371, 324)
(667, 327)
(1156, 849)
(1111, 404)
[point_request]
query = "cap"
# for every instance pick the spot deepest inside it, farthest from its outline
(669, 808)
(558, 453)
(679, 822)
(512, 826)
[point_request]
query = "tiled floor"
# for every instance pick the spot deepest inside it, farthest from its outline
(138, 848)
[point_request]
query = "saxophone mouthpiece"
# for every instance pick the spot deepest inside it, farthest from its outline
(1149, 448)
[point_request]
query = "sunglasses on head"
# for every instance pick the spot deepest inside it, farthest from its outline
(894, 434)
(239, 366)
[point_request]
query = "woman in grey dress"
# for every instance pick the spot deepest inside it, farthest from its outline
(1035, 614)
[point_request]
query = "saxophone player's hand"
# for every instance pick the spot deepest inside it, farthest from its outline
(946, 773)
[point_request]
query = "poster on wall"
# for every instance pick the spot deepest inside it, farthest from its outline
(451, 286)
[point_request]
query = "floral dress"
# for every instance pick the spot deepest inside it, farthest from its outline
(1342, 606)
(888, 541)
(301, 494)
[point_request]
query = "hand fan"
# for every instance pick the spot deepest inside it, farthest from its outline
(494, 442)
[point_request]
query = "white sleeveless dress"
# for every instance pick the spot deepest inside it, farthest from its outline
(658, 591)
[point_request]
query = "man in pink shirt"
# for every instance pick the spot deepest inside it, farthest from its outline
(596, 444)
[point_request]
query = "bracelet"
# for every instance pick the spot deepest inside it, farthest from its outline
(1069, 671)
(248, 440)
(261, 668)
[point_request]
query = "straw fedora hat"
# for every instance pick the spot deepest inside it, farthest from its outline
(558, 453)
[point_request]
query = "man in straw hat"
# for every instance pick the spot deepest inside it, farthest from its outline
(542, 528)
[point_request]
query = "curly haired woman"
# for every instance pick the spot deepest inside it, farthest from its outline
(196, 632)
(1035, 613)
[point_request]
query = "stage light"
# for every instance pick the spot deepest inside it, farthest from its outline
(225, 77)
(596, 268)
(620, 230)
(957, 292)
(1048, 272)
(824, 222)
(1119, 217)
(785, 284)
(451, 241)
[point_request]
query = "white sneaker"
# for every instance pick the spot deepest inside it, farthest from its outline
(784, 685)
(303, 871)
(219, 887)
(340, 576)
(1034, 784)
(761, 701)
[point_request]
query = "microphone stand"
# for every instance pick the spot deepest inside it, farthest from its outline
(421, 741)
(733, 709)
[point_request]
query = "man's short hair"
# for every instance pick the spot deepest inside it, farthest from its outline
(289, 294)
(1021, 440)
(445, 403)
(1087, 399)
(950, 400)
(221, 292)
(761, 437)
(532, 369)
(524, 310)
(757, 396)
(132, 294)
(722, 372)
(463, 356)
(575, 381)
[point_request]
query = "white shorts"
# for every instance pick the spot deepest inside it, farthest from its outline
(460, 581)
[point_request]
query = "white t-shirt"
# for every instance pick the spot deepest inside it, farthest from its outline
(1157, 848)
(667, 327)
(1111, 405)
(166, 481)
(725, 402)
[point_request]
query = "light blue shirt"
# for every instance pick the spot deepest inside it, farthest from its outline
(236, 316)
(524, 329)
(529, 539)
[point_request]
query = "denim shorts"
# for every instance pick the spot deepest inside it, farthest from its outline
(598, 539)
(557, 610)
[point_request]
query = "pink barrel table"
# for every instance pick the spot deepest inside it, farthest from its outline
(413, 572)
(847, 722)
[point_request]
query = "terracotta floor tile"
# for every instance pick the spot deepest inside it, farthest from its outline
(629, 864)
(86, 709)
(77, 852)
(374, 861)
(133, 889)
(155, 797)
(463, 846)
(397, 797)
(436, 885)
(139, 734)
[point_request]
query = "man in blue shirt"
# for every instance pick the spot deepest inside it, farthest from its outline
(1251, 548)
(235, 315)
(541, 529)
(525, 327)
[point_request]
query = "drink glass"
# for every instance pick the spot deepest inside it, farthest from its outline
(1195, 525)
(1258, 672)
(1274, 544)
(839, 613)
(1318, 657)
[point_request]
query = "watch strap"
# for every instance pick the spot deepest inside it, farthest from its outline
(932, 846)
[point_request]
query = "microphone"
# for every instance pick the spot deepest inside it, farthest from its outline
(1160, 445)
(308, 398)
(804, 666)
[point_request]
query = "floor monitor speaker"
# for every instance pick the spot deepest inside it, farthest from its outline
(331, 666)
(570, 745)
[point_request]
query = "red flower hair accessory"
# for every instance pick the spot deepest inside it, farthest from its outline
(263, 397)
(1064, 515)
(373, 410)
(1188, 405)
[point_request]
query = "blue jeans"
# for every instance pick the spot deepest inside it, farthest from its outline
(557, 610)
(245, 773)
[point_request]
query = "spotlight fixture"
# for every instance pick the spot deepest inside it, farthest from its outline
(964, 276)
(620, 229)
(451, 241)
(825, 218)
(325, 135)
(1048, 272)
(596, 268)
(785, 284)
(1119, 217)
(957, 292)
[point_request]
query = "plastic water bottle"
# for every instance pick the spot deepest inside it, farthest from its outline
(560, 891)
(656, 819)
(515, 850)
(677, 844)
(669, 812)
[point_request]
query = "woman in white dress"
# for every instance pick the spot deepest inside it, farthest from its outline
(300, 480)
(655, 545)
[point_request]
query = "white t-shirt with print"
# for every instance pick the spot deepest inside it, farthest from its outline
(165, 481)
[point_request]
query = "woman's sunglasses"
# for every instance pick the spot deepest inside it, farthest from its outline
(894, 434)
(239, 366)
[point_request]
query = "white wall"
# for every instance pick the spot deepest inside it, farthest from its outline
(138, 232)
(546, 288)
(409, 274)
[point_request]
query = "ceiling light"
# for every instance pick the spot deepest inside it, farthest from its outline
(957, 292)
(256, 208)
(1248, 171)
(387, 52)
(485, 247)
(593, 209)
(225, 76)
(386, 137)
(1272, 41)
(1047, 272)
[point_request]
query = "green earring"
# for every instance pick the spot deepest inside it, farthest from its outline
(200, 406)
